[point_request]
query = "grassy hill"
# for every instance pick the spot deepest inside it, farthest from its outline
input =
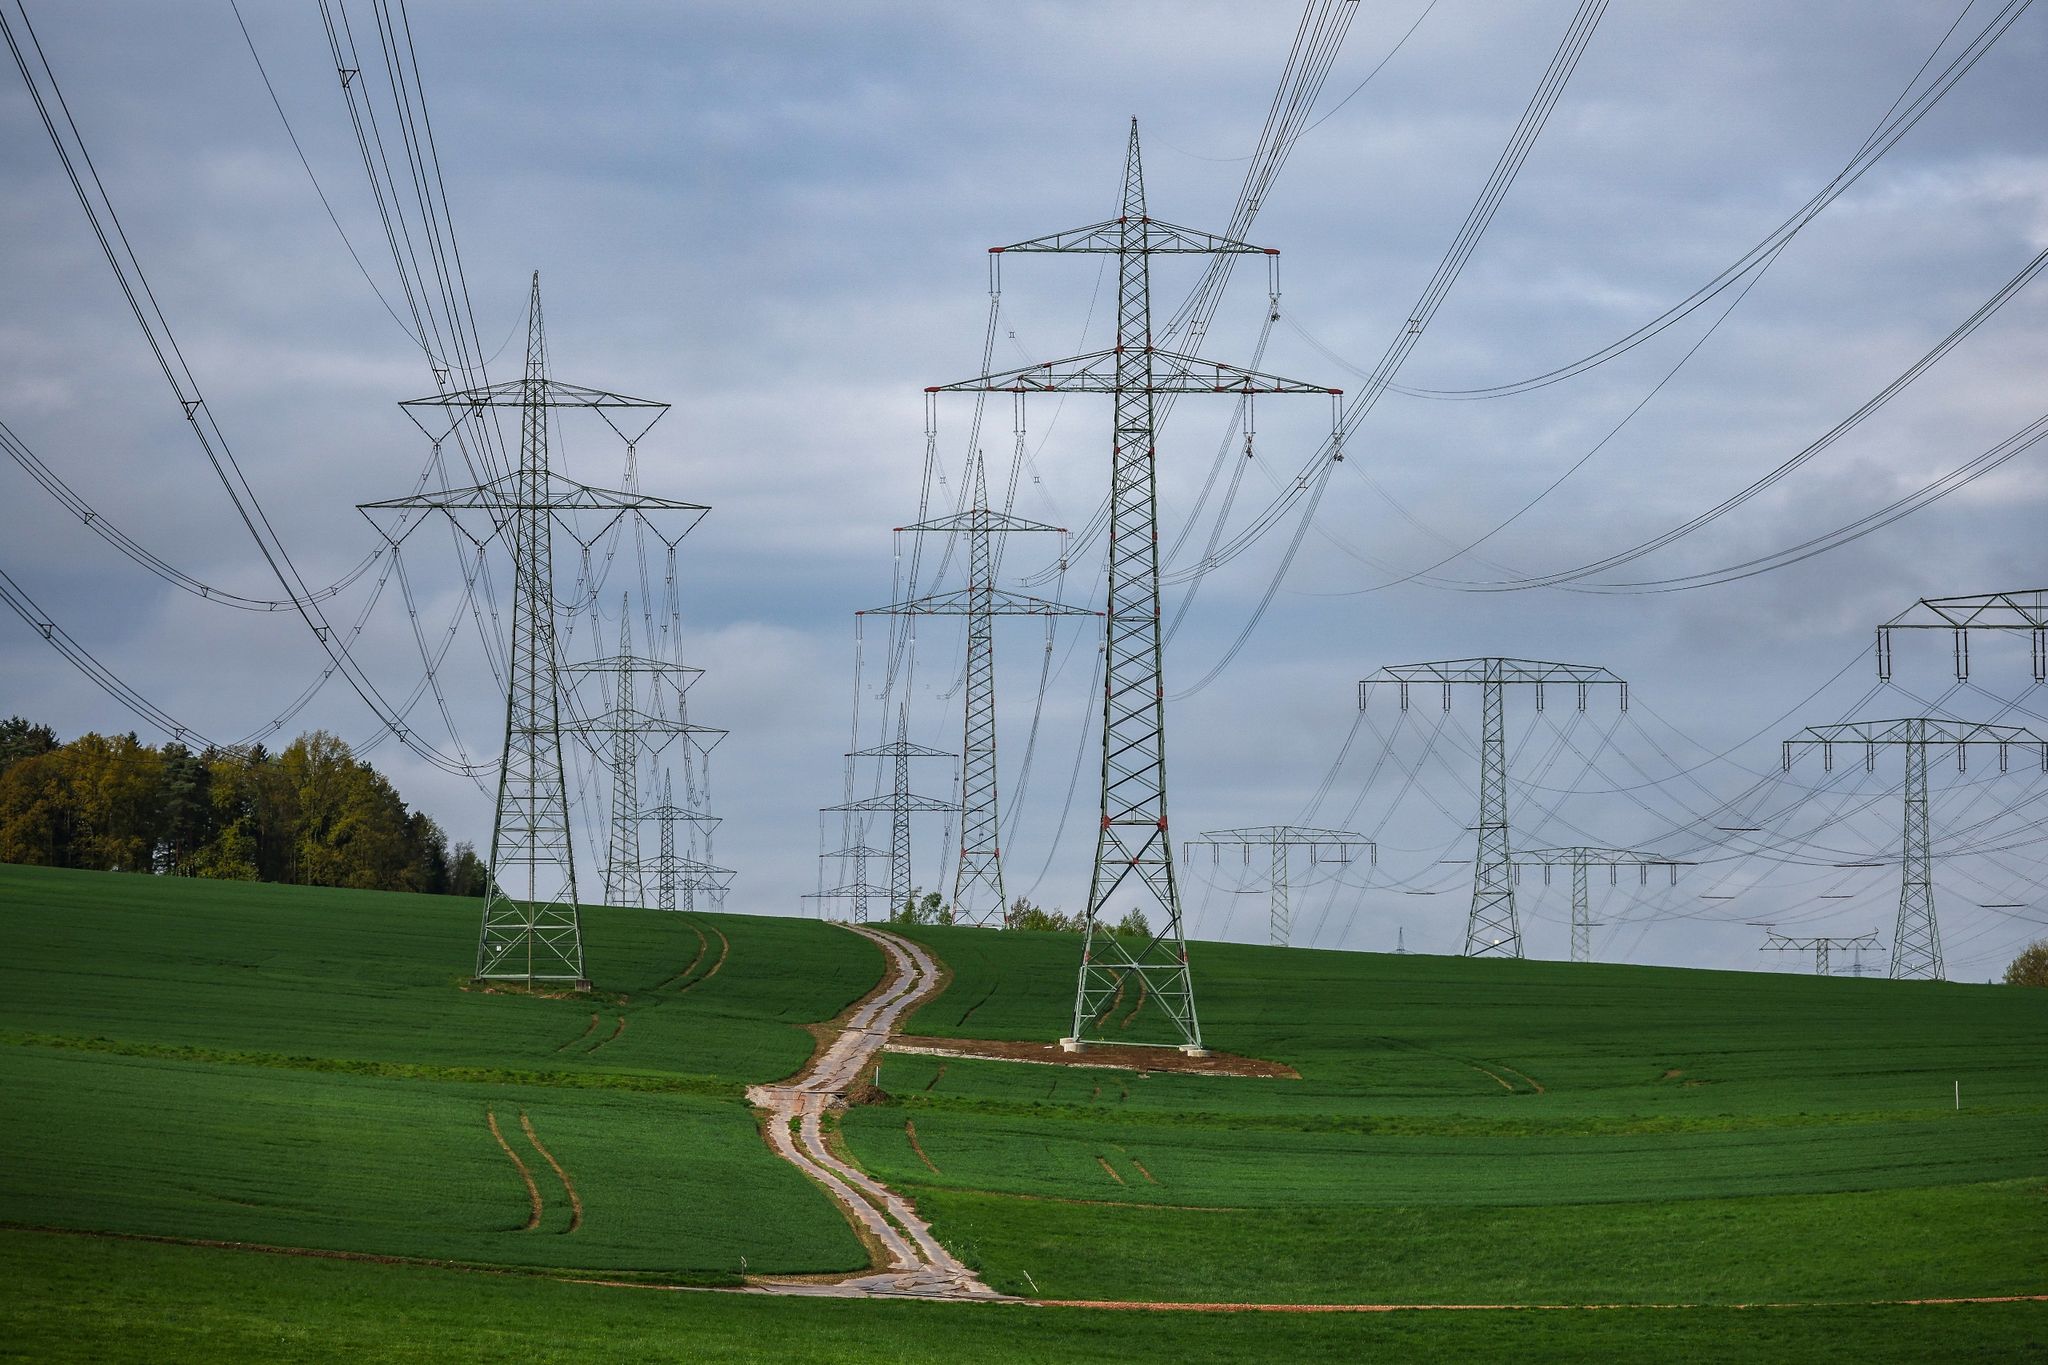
(210, 1062)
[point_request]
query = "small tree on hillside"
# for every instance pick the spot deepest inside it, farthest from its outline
(2030, 968)
(926, 907)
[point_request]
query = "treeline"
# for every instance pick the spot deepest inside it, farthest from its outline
(312, 814)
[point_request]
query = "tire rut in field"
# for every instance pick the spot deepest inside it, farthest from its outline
(525, 1175)
(724, 951)
(1125, 1022)
(703, 945)
(613, 1037)
(910, 1131)
(1108, 1169)
(588, 1029)
(568, 1185)
(1122, 980)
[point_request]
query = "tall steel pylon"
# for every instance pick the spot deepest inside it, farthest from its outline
(1133, 849)
(1492, 927)
(900, 803)
(1821, 948)
(1278, 840)
(978, 896)
(1916, 942)
(531, 931)
(1579, 857)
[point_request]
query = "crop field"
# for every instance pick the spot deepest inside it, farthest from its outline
(1747, 1166)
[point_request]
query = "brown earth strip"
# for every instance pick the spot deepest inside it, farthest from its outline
(1123, 981)
(588, 1029)
(1125, 1022)
(532, 1190)
(1110, 1056)
(1109, 1169)
(568, 1185)
(612, 1039)
(910, 1131)
(936, 1075)
(724, 951)
(1142, 1171)
(703, 945)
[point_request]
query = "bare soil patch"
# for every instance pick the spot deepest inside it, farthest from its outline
(1112, 1056)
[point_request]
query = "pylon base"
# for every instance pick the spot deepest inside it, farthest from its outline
(1072, 1045)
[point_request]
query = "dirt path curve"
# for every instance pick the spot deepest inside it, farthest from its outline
(918, 1266)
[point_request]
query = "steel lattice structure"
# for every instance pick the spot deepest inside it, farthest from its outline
(1493, 928)
(978, 896)
(1775, 942)
(1916, 942)
(900, 803)
(1133, 849)
(1579, 857)
(531, 931)
(673, 875)
(624, 737)
(2007, 613)
(1278, 839)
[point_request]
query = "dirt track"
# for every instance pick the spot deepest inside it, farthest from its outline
(919, 1266)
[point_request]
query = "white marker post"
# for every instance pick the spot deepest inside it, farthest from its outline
(1959, 1096)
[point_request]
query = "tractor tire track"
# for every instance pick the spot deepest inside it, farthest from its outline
(793, 1125)
(568, 1185)
(588, 1029)
(525, 1175)
(703, 945)
(612, 1038)
(724, 951)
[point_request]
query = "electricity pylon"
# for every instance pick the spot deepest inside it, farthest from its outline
(1132, 846)
(1578, 858)
(531, 931)
(2004, 612)
(978, 897)
(1916, 942)
(624, 734)
(901, 803)
(1340, 844)
(1775, 942)
(672, 874)
(1492, 927)
(858, 892)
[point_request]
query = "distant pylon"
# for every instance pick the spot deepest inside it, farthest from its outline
(677, 880)
(1821, 948)
(624, 728)
(1339, 844)
(1578, 858)
(1916, 942)
(1133, 847)
(531, 931)
(1492, 928)
(901, 803)
(978, 896)
(2008, 613)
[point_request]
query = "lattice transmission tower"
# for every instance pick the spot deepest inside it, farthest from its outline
(1492, 928)
(678, 880)
(620, 732)
(1134, 860)
(1323, 845)
(900, 803)
(1580, 857)
(1916, 942)
(1821, 948)
(531, 931)
(978, 896)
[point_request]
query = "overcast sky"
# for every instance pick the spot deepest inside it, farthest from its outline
(776, 218)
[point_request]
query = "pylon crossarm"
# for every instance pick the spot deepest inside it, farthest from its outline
(1110, 238)
(1098, 372)
(970, 602)
(982, 519)
(2024, 609)
(908, 802)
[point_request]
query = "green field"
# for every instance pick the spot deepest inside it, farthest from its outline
(297, 1068)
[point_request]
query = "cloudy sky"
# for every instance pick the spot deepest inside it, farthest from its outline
(776, 218)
